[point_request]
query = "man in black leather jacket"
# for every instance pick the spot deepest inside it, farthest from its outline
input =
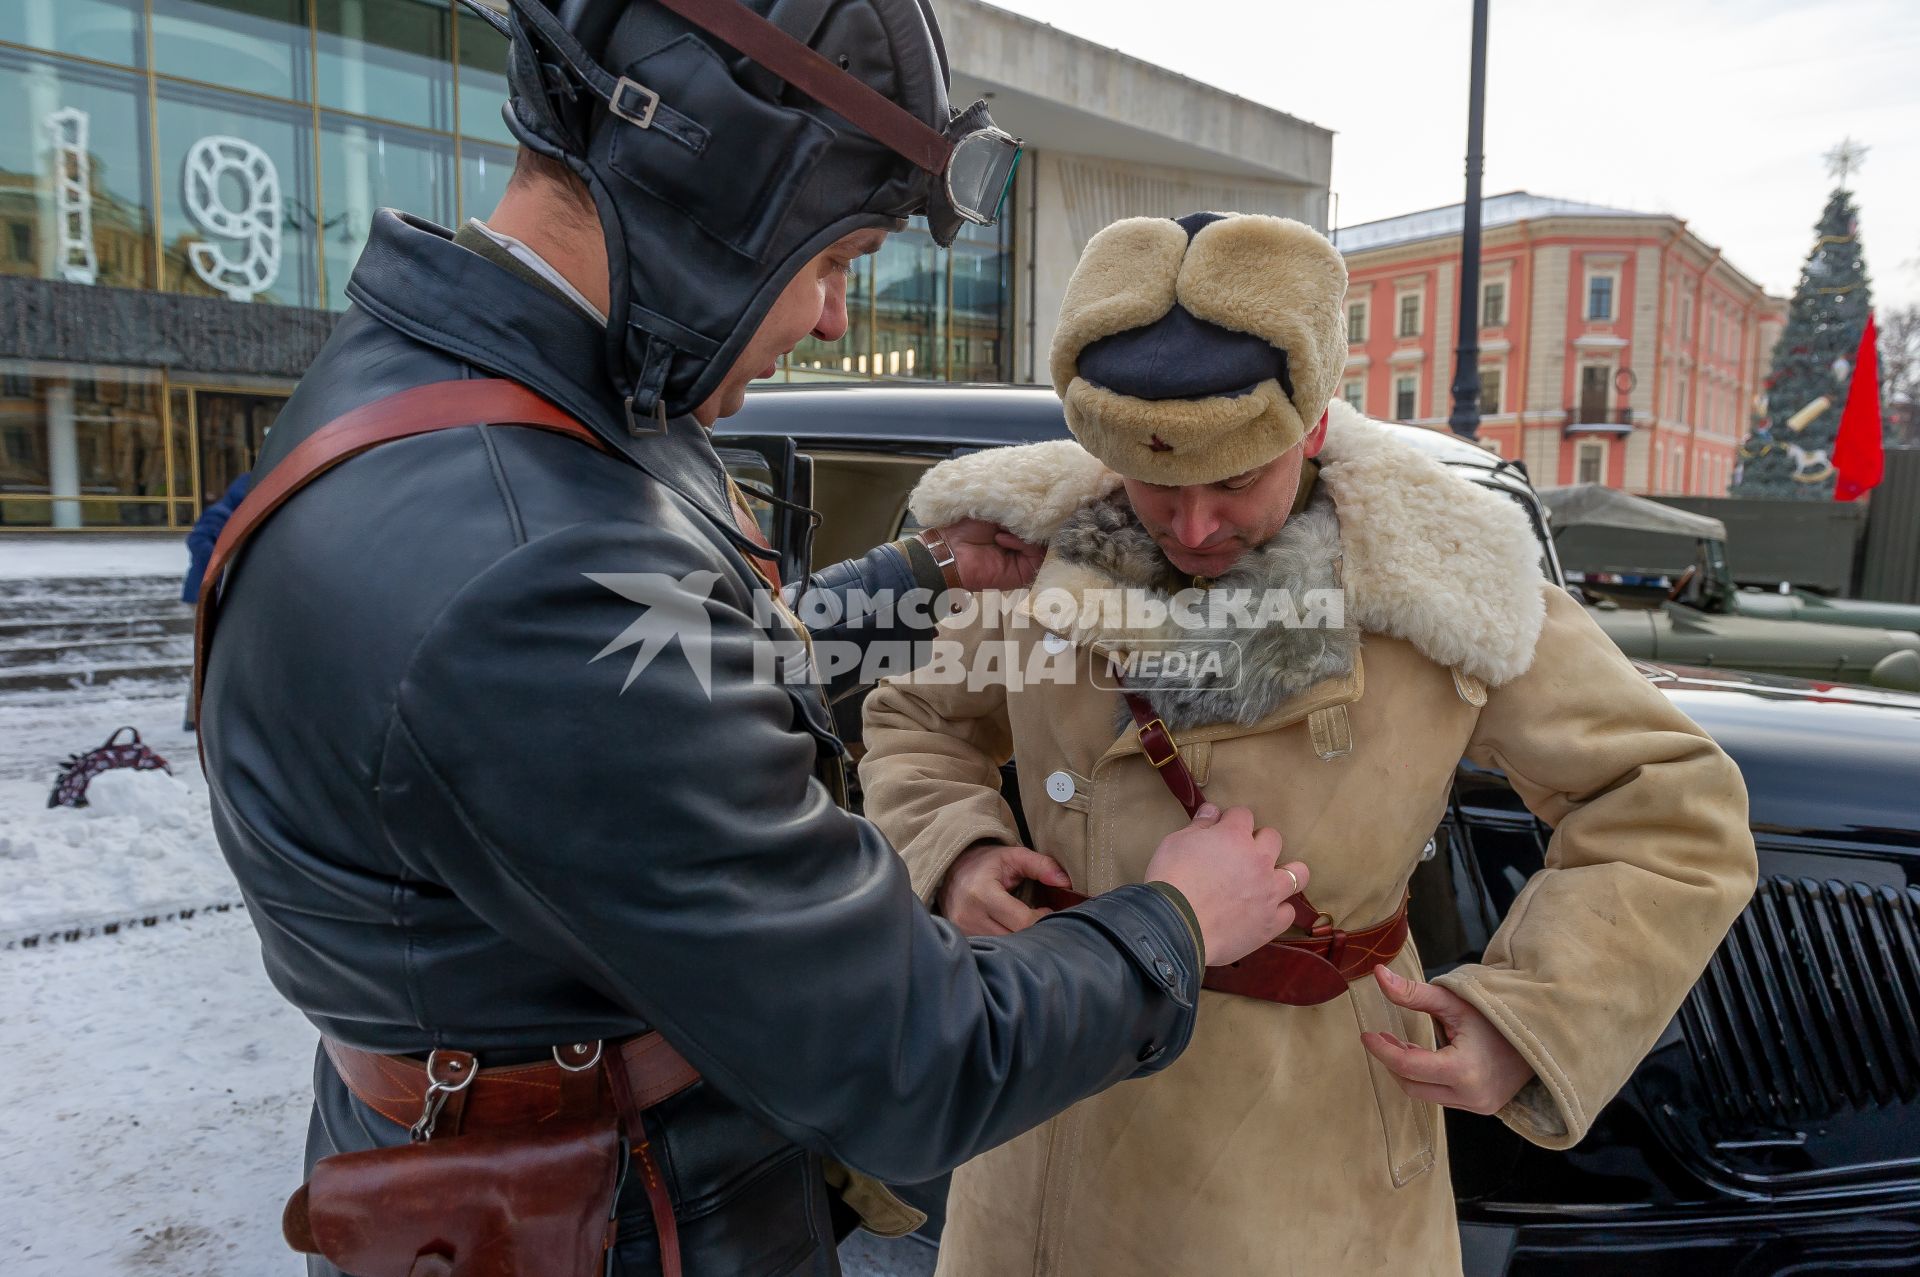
(464, 817)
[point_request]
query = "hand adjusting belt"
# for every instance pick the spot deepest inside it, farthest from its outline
(1294, 970)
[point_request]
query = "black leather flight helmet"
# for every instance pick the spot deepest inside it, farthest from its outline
(725, 144)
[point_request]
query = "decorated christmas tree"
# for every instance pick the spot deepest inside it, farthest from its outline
(1789, 456)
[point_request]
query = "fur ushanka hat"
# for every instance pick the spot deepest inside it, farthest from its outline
(1192, 350)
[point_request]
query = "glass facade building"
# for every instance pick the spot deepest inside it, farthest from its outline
(234, 152)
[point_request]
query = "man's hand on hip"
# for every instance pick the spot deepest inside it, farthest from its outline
(1475, 1069)
(991, 558)
(977, 896)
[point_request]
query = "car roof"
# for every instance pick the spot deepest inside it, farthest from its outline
(947, 415)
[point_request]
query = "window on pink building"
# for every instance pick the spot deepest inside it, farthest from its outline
(1593, 392)
(1489, 391)
(1356, 323)
(1405, 390)
(1590, 465)
(1493, 305)
(1600, 297)
(1410, 315)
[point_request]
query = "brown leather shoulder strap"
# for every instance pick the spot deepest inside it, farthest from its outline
(419, 410)
(1157, 743)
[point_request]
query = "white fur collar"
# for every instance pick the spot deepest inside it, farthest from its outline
(1430, 557)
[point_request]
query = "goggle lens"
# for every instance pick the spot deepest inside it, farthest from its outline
(981, 173)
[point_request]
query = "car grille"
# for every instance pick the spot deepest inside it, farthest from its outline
(1811, 1005)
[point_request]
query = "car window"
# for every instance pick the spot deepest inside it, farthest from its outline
(749, 469)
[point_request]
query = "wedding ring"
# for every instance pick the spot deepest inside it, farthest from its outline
(1292, 877)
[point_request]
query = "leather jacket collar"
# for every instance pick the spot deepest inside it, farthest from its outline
(415, 279)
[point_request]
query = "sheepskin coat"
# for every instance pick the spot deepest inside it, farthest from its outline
(1276, 1144)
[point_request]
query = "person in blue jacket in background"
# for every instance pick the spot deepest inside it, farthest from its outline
(206, 531)
(200, 542)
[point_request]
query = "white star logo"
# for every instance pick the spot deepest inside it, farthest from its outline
(675, 609)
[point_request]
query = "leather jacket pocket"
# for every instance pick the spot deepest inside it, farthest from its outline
(717, 132)
(1406, 1124)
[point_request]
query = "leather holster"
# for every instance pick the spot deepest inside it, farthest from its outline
(487, 1204)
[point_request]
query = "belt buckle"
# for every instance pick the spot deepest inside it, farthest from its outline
(641, 119)
(1173, 750)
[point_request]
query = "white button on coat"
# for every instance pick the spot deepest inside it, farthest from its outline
(1060, 787)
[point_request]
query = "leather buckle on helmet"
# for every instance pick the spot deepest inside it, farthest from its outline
(626, 88)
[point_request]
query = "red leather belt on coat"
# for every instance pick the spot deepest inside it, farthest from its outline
(1295, 970)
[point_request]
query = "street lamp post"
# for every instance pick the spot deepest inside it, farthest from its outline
(1465, 420)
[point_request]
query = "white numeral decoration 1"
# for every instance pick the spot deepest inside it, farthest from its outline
(73, 195)
(255, 224)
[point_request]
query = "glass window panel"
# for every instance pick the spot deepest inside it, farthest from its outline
(366, 167)
(484, 171)
(260, 46)
(222, 160)
(483, 81)
(24, 465)
(1600, 297)
(851, 356)
(977, 329)
(1489, 391)
(85, 440)
(910, 303)
(105, 30)
(231, 427)
(89, 125)
(389, 58)
(180, 424)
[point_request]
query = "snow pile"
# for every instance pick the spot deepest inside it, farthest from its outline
(142, 843)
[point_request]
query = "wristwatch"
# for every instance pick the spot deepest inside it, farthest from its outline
(942, 556)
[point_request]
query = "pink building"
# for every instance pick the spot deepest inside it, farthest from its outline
(1615, 347)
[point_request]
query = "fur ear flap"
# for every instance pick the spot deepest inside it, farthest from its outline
(1029, 490)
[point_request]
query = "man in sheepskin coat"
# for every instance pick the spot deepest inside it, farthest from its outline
(1197, 360)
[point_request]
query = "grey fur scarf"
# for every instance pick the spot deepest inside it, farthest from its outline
(1266, 664)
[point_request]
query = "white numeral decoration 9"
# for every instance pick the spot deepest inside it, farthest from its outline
(255, 224)
(73, 195)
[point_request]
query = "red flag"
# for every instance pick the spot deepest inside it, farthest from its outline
(1856, 449)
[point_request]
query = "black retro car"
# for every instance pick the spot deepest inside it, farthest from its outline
(1775, 1128)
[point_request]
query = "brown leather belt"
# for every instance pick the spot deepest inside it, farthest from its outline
(1293, 970)
(630, 1076)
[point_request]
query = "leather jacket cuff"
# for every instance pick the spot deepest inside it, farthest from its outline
(1192, 919)
(1148, 927)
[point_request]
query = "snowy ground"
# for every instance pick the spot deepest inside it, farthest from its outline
(41, 555)
(153, 1087)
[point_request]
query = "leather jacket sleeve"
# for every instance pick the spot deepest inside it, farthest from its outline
(588, 758)
(874, 610)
